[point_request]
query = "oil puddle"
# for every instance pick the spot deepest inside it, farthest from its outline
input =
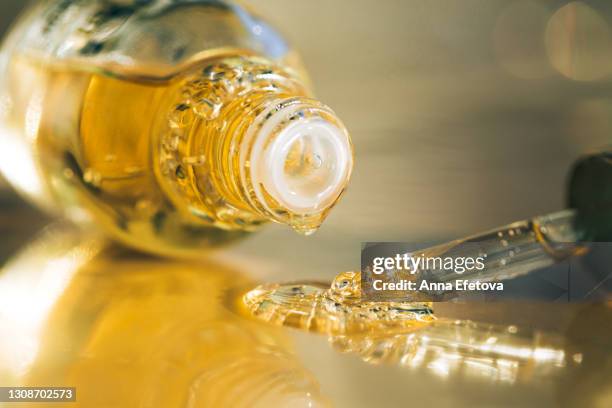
(408, 334)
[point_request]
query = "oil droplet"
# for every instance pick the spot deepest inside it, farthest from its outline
(305, 231)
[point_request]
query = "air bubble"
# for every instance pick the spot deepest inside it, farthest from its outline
(145, 207)
(133, 170)
(180, 172)
(206, 109)
(181, 116)
(171, 142)
(316, 161)
(93, 177)
(194, 160)
(68, 173)
(169, 166)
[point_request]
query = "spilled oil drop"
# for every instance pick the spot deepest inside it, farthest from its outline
(335, 309)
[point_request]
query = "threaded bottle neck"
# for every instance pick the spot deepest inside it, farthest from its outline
(267, 151)
(295, 160)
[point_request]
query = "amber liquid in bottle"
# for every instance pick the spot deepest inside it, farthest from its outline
(175, 126)
(168, 165)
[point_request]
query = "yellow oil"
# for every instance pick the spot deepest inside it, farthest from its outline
(334, 309)
(157, 162)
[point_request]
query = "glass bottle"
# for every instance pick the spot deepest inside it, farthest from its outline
(175, 125)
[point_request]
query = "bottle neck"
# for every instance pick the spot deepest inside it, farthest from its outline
(246, 145)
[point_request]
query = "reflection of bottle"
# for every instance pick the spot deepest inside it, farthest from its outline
(174, 124)
(128, 330)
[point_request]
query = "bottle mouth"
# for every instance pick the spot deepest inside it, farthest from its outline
(301, 158)
(305, 168)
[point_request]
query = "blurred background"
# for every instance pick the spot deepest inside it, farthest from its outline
(465, 115)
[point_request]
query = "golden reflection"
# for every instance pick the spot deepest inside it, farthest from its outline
(588, 341)
(16, 161)
(462, 348)
(16, 158)
(130, 330)
(578, 42)
(30, 284)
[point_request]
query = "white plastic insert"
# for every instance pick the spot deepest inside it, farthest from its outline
(305, 165)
